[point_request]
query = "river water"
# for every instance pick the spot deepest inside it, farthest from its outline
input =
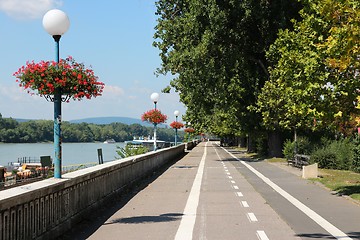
(72, 153)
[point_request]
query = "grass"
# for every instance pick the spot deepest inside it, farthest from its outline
(342, 182)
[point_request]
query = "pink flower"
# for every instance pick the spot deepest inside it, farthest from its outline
(71, 77)
(154, 116)
(176, 125)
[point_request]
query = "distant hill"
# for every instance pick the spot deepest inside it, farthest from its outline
(108, 120)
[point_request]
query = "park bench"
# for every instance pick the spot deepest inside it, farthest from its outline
(299, 160)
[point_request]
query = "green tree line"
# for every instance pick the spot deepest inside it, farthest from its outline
(12, 131)
(263, 70)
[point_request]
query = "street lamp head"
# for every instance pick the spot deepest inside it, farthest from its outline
(56, 22)
(176, 113)
(154, 97)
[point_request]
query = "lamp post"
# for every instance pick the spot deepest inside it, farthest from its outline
(189, 125)
(155, 98)
(56, 23)
(176, 113)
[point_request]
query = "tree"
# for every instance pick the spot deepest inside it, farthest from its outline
(216, 52)
(314, 81)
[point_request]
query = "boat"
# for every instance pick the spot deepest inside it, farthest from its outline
(147, 142)
(109, 141)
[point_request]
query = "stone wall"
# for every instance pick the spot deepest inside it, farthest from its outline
(46, 209)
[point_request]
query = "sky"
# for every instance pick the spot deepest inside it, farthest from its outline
(114, 37)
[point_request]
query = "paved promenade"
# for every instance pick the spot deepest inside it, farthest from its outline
(215, 194)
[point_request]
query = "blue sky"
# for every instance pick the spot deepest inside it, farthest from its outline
(114, 37)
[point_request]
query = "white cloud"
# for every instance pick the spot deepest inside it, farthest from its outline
(113, 91)
(28, 9)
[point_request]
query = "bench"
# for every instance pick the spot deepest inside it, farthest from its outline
(299, 160)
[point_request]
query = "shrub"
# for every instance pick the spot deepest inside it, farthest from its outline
(337, 154)
(288, 149)
(303, 146)
(262, 145)
(343, 150)
(324, 157)
(131, 150)
(355, 166)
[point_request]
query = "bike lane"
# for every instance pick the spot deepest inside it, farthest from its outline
(312, 211)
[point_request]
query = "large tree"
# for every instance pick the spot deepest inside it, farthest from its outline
(216, 52)
(315, 78)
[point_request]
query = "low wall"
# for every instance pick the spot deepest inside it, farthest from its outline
(46, 209)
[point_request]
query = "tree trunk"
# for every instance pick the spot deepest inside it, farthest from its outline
(275, 144)
(242, 142)
(251, 143)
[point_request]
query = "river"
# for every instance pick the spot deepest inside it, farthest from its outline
(72, 153)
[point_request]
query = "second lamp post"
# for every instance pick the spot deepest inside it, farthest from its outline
(155, 98)
(176, 113)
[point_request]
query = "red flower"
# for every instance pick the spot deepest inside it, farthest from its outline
(154, 116)
(176, 125)
(189, 130)
(72, 78)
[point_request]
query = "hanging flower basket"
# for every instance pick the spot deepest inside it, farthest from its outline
(154, 116)
(189, 130)
(69, 77)
(176, 125)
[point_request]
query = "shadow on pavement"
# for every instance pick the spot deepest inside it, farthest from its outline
(353, 235)
(168, 217)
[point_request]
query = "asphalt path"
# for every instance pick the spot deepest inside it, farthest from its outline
(321, 214)
(212, 193)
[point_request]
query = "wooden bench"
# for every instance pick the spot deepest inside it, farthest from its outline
(299, 160)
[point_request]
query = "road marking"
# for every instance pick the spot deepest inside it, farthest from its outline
(239, 194)
(261, 235)
(236, 187)
(230, 177)
(228, 173)
(186, 227)
(252, 217)
(232, 181)
(334, 231)
(244, 204)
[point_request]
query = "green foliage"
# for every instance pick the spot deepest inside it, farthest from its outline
(337, 155)
(314, 79)
(131, 150)
(302, 144)
(216, 52)
(356, 155)
(261, 145)
(325, 158)
(288, 149)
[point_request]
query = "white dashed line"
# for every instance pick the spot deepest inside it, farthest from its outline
(239, 194)
(261, 235)
(232, 181)
(236, 187)
(244, 204)
(252, 217)
(230, 177)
